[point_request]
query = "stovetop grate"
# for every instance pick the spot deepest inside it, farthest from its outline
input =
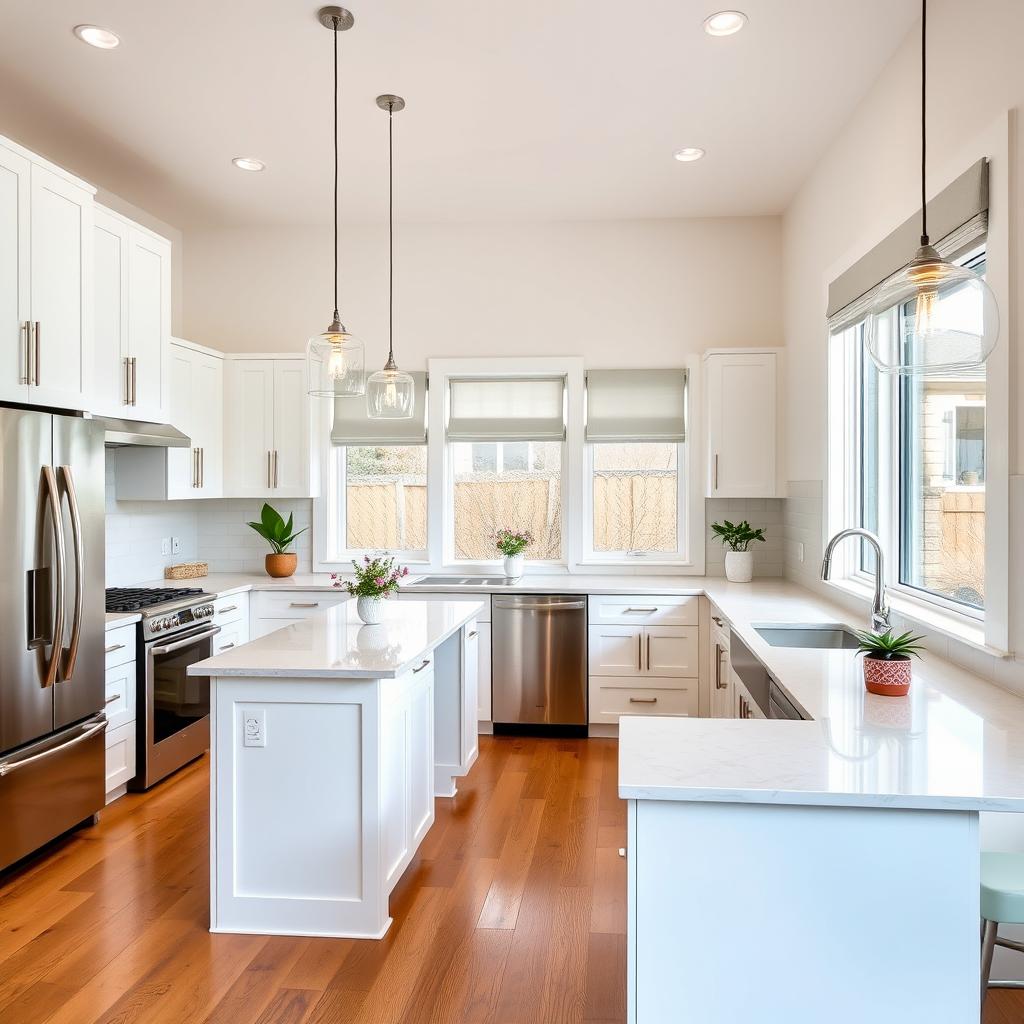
(134, 599)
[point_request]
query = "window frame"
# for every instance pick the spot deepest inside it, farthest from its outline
(644, 558)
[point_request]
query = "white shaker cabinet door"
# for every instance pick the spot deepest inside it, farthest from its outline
(182, 473)
(14, 276)
(208, 423)
(249, 425)
(290, 472)
(742, 424)
(112, 384)
(149, 322)
(61, 291)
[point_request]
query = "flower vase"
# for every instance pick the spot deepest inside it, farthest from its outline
(514, 565)
(370, 609)
(739, 566)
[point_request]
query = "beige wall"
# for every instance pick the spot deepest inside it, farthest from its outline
(618, 293)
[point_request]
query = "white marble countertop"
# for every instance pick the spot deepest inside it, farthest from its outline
(336, 645)
(954, 742)
(115, 619)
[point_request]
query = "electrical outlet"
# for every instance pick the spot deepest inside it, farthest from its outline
(175, 545)
(254, 728)
(165, 545)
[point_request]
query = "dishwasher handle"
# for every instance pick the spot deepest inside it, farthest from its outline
(542, 606)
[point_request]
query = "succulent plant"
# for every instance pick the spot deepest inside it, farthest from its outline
(889, 646)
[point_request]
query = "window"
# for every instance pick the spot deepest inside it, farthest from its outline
(513, 484)
(635, 499)
(909, 460)
(380, 499)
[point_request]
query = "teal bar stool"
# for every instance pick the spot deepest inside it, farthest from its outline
(1002, 902)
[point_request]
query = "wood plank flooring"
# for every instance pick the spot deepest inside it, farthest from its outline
(512, 913)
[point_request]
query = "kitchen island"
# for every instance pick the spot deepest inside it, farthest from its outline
(329, 741)
(825, 869)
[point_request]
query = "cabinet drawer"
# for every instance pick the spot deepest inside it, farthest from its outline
(119, 645)
(120, 756)
(296, 604)
(233, 608)
(230, 637)
(119, 704)
(611, 698)
(643, 610)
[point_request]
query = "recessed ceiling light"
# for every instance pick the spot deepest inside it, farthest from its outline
(688, 154)
(248, 163)
(724, 23)
(102, 38)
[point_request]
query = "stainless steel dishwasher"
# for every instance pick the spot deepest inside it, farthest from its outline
(539, 663)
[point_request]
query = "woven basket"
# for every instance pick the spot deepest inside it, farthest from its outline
(186, 571)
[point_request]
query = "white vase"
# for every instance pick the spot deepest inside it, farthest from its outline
(514, 565)
(370, 609)
(739, 566)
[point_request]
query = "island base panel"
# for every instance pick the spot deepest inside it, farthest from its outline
(743, 912)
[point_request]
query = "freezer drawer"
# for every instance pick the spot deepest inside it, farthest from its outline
(49, 787)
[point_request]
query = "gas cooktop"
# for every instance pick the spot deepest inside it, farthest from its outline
(135, 599)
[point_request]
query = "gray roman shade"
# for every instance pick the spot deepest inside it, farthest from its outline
(960, 209)
(506, 409)
(352, 425)
(636, 405)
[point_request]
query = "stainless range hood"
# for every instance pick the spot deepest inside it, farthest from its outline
(135, 434)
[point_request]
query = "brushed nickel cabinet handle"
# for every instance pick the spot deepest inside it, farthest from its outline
(718, 666)
(640, 611)
(270, 478)
(275, 468)
(135, 393)
(25, 377)
(226, 647)
(423, 665)
(643, 700)
(639, 652)
(648, 652)
(202, 467)
(113, 647)
(110, 700)
(227, 608)
(715, 487)
(39, 350)
(472, 633)
(304, 604)
(717, 621)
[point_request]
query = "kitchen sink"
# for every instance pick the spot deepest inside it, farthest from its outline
(821, 635)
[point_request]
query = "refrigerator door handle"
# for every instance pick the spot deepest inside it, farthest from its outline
(88, 729)
(59, 565)
(76, 538)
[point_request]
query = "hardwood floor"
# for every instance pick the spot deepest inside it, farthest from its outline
(512, 913)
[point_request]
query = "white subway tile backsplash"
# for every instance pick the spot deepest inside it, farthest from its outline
(759, 512)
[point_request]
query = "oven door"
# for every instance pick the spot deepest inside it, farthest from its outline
(176, 705)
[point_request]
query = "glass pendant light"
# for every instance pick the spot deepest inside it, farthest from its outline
(948, 317)
(334, 359)
(390, 393)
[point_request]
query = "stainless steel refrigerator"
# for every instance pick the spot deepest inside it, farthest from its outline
(52, 758)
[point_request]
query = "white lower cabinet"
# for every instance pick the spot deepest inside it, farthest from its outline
(272, 609)
(120, 683)
(483, 693)
(231, 614)
(723, 693)
(611, 698)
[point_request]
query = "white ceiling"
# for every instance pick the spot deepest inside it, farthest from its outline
(551, 110)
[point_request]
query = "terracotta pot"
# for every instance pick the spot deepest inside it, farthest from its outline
(282, 565)
(887, 677)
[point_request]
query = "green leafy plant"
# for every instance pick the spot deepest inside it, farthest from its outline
(888, 646)
(375, 577)
(512, 542)
(274, 530)
(736, 536)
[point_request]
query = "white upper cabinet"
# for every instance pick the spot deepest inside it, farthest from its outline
(742, 427)
(195, 406)
(132, 315)
(45, 282)
(268, 437)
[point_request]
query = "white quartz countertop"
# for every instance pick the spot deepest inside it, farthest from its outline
(336, 645)
(955, 741)
(115, 619)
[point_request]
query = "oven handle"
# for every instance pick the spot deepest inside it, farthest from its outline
(187, 642)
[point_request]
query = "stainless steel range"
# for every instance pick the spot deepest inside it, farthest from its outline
(173, 708)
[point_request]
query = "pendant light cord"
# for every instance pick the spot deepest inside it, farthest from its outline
(924, 128)
(336, 30)
(391, 231)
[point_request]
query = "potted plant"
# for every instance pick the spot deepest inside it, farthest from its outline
(739, 559)
(281, 562)
(512, 544)
(376, 580)
(887, 661)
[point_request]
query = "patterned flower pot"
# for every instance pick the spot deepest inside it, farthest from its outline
(282, 565)
(370, 609)
(739, 566)
(887, 677)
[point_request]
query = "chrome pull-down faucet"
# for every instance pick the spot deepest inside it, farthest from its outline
(879, 607)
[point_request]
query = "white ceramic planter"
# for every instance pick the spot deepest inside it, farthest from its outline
(370, 609)
(739, 566)
(514, 565)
